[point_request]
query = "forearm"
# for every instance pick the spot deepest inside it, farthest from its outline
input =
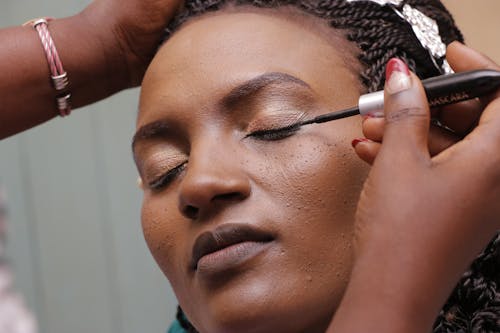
(384, 297)
(96, 69)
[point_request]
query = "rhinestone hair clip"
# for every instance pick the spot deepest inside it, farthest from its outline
(426, 30)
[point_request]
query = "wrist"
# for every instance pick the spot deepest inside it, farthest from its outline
(128, 40)
(116, 61)
(366, 307)
(386, 295)
(95, 71)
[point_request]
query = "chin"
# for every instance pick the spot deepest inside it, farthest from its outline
(264, 306)
(249, 321)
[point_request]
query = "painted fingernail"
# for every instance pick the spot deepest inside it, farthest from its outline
(397, 76)
(355, 142)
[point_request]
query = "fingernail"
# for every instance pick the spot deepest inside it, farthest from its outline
(355, 142)
(397, 76)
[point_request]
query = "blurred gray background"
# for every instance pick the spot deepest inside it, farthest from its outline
(74, 234)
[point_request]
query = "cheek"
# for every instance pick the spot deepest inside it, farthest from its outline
(162, 234)
(317, 178)
(317, 172)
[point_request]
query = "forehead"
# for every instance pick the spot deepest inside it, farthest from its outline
(212, 54)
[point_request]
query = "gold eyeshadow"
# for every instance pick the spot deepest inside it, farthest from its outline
(276, 119)
(156, 163)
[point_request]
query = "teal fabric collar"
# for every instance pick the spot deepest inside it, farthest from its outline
(176, 328)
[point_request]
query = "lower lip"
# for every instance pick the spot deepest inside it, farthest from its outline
(230, 257)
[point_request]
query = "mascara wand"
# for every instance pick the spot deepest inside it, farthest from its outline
(440, 90)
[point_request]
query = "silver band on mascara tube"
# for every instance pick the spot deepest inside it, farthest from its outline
(372, 104)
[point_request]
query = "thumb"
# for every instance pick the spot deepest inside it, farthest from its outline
(407, 115)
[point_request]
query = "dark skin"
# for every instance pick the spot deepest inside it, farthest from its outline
(27, 100)
(105, 48)
(228, 173)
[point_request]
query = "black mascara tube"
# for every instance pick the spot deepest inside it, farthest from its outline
(441, 90)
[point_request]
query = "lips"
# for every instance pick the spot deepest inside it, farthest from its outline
(224, 236)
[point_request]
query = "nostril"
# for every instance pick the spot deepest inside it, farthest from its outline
(191, 212)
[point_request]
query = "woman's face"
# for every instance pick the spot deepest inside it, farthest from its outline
(252, 228)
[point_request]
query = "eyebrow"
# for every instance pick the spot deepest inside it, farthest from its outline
(253, 86)
(149, 131)
(241, 92)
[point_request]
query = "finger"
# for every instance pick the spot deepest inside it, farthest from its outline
(366, 150)
(440, 139)
(461, 117)
(479, 145)
(478, 150)
(373, 128)
(462, 58)
(407, 115)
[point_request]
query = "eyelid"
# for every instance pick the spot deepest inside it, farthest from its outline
(276, 121)
(166, 177)
(157, 164)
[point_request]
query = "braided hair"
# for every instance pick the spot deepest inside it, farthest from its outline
(380, 34)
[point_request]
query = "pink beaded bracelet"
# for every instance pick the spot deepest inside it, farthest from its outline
(58, 75)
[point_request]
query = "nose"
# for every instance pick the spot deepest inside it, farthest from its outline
(212, 182)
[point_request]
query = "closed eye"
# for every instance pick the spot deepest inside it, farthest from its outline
(275, 134)
(165, 179)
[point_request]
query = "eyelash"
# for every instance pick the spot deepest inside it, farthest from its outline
(165, 179)
(275, 134)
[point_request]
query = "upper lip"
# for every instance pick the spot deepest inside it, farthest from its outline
(224, 236)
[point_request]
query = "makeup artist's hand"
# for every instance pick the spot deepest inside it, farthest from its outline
(133, 27)
(420, 220)
(461, 118)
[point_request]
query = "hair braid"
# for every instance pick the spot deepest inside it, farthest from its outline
(474, 305)
(380, 34)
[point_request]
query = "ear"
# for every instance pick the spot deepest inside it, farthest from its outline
(140, 183)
